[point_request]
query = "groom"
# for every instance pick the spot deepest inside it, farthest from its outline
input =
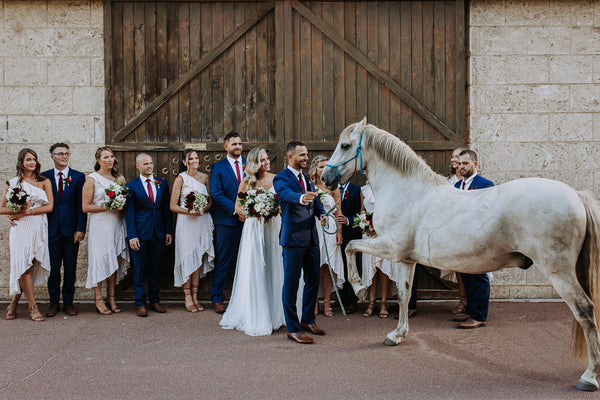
(298, 237)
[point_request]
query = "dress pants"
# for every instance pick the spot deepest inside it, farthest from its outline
(146, 265)
(477, 287)
(62, 251)
(295, 261)
(227, 242)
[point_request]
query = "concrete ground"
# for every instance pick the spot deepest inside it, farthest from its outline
(523, 353)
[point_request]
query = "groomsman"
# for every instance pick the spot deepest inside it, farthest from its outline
(149, 227)
(225, 178)
(66, 228)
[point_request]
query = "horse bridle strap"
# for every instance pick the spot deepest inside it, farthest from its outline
(355, 158)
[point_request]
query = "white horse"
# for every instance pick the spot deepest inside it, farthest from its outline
(418, 217)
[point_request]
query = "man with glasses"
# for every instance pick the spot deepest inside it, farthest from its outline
(66, 228)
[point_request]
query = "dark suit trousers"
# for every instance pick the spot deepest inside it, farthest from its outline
(146, 264)
(295, 260)
(62, 251)
(227, 242)
(477, 287)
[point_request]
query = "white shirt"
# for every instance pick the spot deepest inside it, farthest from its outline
(296, 173)
(232, 163)
(152, 184)
(65, 174)
(468, 182)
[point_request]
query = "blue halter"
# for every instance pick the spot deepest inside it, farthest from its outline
(355, 158)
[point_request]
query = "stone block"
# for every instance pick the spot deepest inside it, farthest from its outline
(64, 71)
(498, 99)
(487, 70)
(511, 276)
(88, 100)
(585, 40)
(499, 292)
(527, 127)
(3, 129)
(75, 129)
(572, 13)
(596, 124)
(527, 12)
(14, 100)
(25, 13)
(571, 69)
(596, 69)
(582, 180)
(25, 71)
(508, 40)
(585, 98)
(97, 72)
(596, 13)
(596, 188)
(1, 72)
(47, 42)
(86, 42)
(99, 129)
(487, 12)
(12, 42)
(535, 277)
(82, 156)
(548, 98)
(525, 69)
(51, 100)
(548, 40)
(97, 14)
(531, 292)
(571, 127)
(28, 129)
(488, 128)
(68, 13)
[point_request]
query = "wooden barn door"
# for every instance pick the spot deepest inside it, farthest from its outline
(183, 74)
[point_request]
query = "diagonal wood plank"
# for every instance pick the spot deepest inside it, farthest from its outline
(374, 70)
(177, 85)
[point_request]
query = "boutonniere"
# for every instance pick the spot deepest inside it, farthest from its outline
(157, 183)
(67, 182)
(346, 194)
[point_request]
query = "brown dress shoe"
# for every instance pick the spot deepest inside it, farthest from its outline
(141, 311)
(70, 310)
(157, 308)
(471, 324)
(52, 310)
(219, 308)
(312, 328)
(460, 317)
(300, 337)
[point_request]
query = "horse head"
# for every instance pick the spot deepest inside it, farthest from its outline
(347, 157)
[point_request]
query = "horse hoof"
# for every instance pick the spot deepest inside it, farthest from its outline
(389, 342)
(584, 386)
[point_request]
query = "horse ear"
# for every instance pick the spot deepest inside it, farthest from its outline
(360, 126)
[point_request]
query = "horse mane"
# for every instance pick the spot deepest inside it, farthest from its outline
(398, 154)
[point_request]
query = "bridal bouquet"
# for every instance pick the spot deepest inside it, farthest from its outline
(364, 221)
(194, 201)
(116, 196)
(16, 197)
(259, 204)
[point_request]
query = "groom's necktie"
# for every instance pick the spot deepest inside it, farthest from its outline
(150, 193)
(463, 185)
(60, 184)
(301, 181)
(237, 171)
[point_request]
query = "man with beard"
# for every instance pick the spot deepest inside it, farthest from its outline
(477, 286)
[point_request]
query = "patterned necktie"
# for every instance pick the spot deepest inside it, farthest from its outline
(237, 171)
(60, 184)
(301, 181)
(150, 193)
(463, 185)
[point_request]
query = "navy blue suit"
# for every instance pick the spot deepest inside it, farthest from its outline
(351, 205)
(66, 218)
(228, 228)
(477, 286)
(149, 223)
(300, 243)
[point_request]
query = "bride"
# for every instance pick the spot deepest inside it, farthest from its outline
(256, 306)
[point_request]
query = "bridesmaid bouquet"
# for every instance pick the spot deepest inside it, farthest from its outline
(194, 201)
(321, 193)
(259, 204)
(16, 197)
(116, 196)
(364, 221)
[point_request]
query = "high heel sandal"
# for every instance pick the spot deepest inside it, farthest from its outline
(112, 308)
(327, 309)
(461, 308)
(11, 311)
(188, 302)
(101, 307)
(35, 313)
(369, 311)
(195, 298)
(383, 310)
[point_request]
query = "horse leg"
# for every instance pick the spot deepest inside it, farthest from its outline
(581, 306)
(405, 278)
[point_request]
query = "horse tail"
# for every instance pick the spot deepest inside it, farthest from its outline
(588, 268)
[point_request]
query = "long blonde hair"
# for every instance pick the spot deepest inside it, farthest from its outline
(253, 166)
(312, 171)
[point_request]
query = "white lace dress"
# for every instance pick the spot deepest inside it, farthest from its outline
(369, 262)
(107, 243)
(328, 244)
(256, 307)
(193, 238)
(29, 241)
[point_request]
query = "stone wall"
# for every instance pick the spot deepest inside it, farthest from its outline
(51, 90)
(534, 100)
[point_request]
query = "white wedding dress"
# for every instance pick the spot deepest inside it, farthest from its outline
(256, 307)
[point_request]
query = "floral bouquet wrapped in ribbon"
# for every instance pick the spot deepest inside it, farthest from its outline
(259, 204)
(364, 221)
(16, 198)
(116, 196)
(194, 201)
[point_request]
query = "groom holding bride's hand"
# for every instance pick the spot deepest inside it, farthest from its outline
(300, 205)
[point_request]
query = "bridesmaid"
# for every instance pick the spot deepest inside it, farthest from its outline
(29, 259)
(194, 252)
(108, 256)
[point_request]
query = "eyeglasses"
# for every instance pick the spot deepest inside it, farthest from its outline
(67, 154)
